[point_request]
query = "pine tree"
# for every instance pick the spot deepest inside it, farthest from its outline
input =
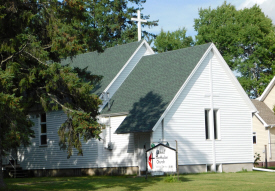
(113, 20)
(35, 36)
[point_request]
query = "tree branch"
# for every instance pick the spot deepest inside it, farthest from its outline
(37, 59)
(49, 46)
(52, 97)
(10, 57)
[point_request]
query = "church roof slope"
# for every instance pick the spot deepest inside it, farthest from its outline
(106, 64)
(151, 86)
(264, 112)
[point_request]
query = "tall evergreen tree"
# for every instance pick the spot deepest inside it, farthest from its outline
(246, 40)
(32, 33)
(113, 19)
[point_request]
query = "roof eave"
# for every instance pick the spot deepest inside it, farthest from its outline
(126, 132)
(125, 65)
(267, 90)
(262, 120)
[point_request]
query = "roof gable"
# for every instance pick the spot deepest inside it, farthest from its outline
(267, 90)
(151, 86)
(266, 115)
(226, 68)
(106, 64)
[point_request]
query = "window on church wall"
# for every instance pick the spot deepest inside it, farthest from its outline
(207, 124)
(216, 118)
(254, 138)
(43, 129)
(215, 122)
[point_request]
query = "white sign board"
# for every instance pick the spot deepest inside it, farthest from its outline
(160, 159)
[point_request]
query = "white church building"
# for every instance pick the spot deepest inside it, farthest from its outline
(188, 95)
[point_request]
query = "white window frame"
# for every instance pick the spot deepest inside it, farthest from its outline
(40, 133)
(218, 125)
(254, 134)
(208, 124)
(210, 120)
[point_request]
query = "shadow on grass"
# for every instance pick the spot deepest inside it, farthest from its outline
(87, 183)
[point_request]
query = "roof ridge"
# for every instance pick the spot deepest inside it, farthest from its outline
(180, 49)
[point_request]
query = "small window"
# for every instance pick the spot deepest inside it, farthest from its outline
(43, 129)
(216, 124)
(254, 138)
(207, 125)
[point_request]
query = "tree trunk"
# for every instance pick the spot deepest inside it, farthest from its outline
(2, 183)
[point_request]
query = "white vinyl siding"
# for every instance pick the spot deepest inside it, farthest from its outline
(157, 135)
(185, 121)
(148, 52)
(122, 153)
(51, 157)
(236, 144)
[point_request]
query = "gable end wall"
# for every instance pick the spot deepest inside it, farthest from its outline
(270, 99)
(185, 120)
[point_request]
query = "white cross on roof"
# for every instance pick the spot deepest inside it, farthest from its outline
(139, 20)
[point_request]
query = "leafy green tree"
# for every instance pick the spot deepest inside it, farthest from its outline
(246, 40)
(32, 33)
(167, 41)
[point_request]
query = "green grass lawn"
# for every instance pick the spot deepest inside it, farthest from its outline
(205, 181)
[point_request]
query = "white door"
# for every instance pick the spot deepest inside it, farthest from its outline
(143, 141)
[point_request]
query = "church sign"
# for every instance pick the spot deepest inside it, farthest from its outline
(161, 159)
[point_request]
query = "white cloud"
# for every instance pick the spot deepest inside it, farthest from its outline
(267, 6)
(250, 3)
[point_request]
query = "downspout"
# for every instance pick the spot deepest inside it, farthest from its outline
(162, 125)
(269, 144)
(110, 136)
(110, 130)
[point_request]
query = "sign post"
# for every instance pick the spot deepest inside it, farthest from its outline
(161, 159)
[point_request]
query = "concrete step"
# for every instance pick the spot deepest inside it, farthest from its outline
(21, 174)
(15, 173)
(8, 166)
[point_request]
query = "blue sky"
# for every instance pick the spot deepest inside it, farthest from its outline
(173, 14)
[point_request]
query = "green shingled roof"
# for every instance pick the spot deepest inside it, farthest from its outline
(106, 64)
(151, 86)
